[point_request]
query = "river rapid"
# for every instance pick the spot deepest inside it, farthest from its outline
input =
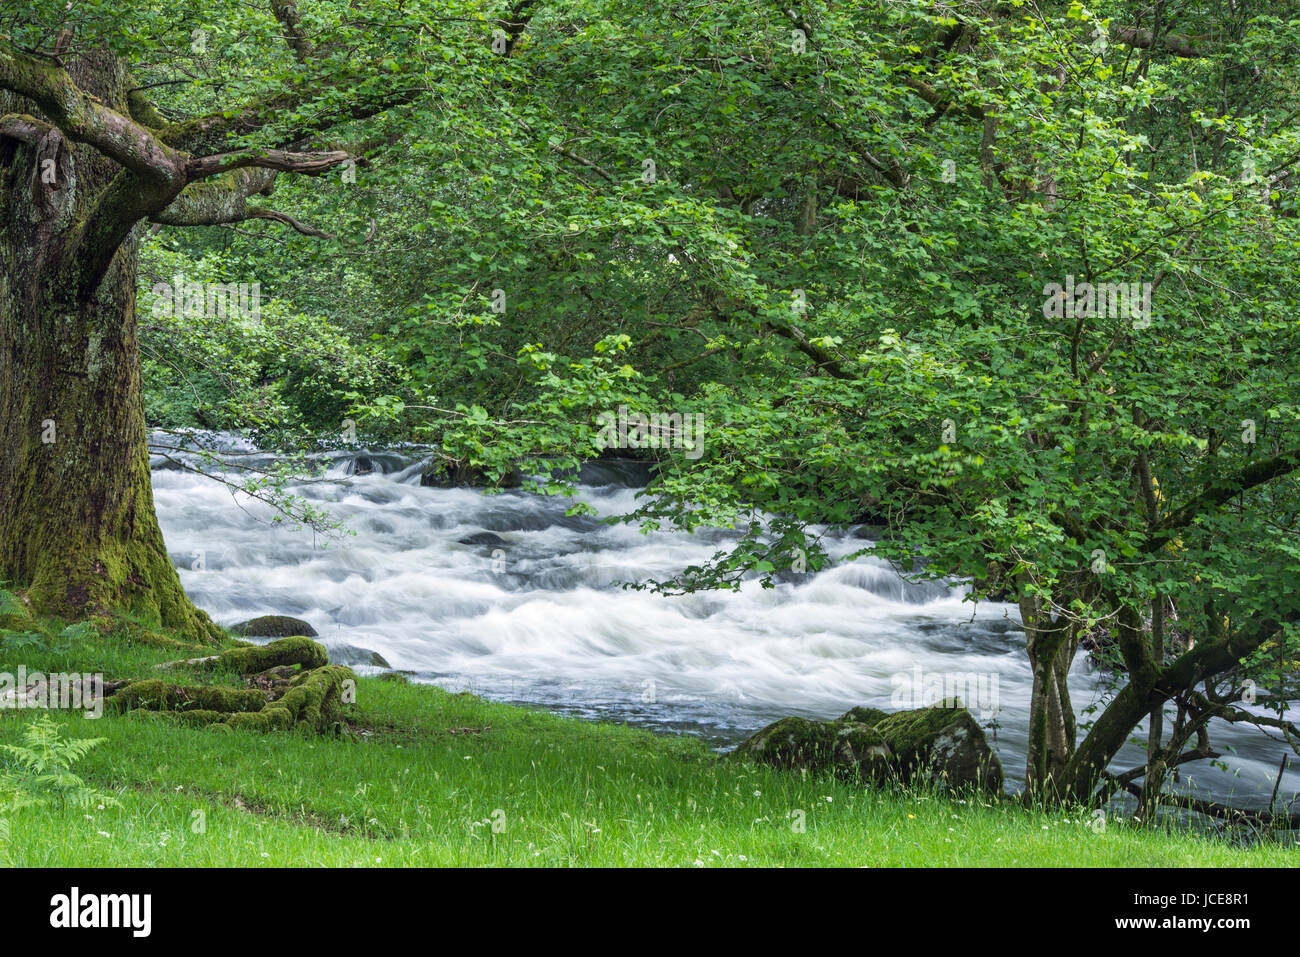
(537, 615)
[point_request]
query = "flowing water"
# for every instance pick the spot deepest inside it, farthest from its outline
(537, 614)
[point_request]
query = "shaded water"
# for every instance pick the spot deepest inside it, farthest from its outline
(539, 617)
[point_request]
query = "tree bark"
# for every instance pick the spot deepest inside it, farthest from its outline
(1051, 645)
(78, 531)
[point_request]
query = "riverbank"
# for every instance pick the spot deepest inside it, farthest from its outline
(422, 776)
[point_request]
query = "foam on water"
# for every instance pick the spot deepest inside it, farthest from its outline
(543, 618)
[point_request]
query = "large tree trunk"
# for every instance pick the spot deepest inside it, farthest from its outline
(77, 524)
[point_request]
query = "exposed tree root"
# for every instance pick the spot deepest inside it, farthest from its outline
(291, 684)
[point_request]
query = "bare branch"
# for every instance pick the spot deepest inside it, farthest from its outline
(311, 164)
(265, 213)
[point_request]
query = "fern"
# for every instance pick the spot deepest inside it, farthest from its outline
(39, 771)
(10, 605)
(17, 641)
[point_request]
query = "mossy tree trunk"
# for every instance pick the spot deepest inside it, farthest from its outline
(77, 524)
(85, 164)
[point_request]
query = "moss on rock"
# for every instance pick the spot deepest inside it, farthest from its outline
(941, 745)
(273, 626)
(791, 744)
(253, 659)
(867, 716)
(861, 752)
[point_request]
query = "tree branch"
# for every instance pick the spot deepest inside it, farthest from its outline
(264, 213)
(23, 127)
(1166, 42)
(311, 164)
(83, 118)
(286, 12)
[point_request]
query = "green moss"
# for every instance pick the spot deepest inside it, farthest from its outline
(153, 694)
(791, 743)
(156, 695)
(943, 743)
(861, 752)
(274, 626)
(218, 698)
(198, 716)
(868, 716)
(297, 650)
(315, 697)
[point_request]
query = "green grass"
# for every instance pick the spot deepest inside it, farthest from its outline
(428, 773)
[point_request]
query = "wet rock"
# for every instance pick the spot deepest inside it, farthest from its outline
(273, 626)
(483, 538)
(621, 472)
(352, 655)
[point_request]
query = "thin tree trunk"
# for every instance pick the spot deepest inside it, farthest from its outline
(1052, 728)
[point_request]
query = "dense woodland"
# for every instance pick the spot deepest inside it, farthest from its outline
(1012, 282)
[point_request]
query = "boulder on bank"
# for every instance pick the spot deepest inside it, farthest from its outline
(941, 745)
(797, 744)
(341, 654)
(273, 626)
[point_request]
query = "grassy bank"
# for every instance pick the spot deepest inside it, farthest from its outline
(426, 777)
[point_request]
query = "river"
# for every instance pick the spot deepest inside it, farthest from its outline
(540, 616)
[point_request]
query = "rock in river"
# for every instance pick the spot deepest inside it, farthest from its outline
(273, 626)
